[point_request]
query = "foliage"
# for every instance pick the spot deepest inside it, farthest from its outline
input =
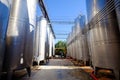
(60, 47)
(60, 44)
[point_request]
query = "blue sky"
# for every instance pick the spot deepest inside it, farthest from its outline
(64, 10)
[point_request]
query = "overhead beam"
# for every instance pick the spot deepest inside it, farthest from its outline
(61, 34)
(63, 22)
(61, 38)
(45, 14)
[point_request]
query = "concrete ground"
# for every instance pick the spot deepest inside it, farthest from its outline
(58, 69)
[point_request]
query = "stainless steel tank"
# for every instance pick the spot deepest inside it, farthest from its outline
(47, 45)
(69, 51)
(50, 44)
(78, 34)
(68, 46)
(15, 37)
(80, 47)
(30, 34)
(42, 39)
(85, 50)
(117, 6)
(37, 33)
(48, 32)
(77, 52)
(73, 43)
(80, 24)
(104, 34)
(76, 42)
(53, 45)
(90, 41)
(4, 16)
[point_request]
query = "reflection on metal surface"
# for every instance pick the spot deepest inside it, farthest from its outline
(77, 46)
(117, 2)
(40, 39)
(44, 40)
(4, 15)
(15, 35)
(30, 32)
(104, 37)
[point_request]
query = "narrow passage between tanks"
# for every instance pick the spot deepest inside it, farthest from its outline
(58, 69)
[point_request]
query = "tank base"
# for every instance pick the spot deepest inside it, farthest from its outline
(9, 75)
(28, 71)
(110, 73)
(35, 63)
(87, 63)
(117, 74)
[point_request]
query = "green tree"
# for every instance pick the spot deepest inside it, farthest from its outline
(60, 44)
(60, 47)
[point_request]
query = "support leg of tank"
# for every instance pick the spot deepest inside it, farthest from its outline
(84, 63)
(0, 77)
(96, 70)
(91, 64)
(41, 62)
(35, 63)
(38, 62)
(47, 59)
(117, 74)
(28, 71)
(87, 63)
(9, 75)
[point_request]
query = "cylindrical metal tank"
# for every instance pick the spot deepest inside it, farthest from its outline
(15, 36)
(53, 45)
(80, 47)
(68, 46)
(49, 32)
(77, 52)
(37, 31)
(71, 47)
(50, 44)
(73, 43)
(117, 6)
(30, 34)
(79, 43)
(90, 45)
(43, 29)
(4, 16)
(105, 38)
(42, 38)
(85, 50)
(47, 44)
